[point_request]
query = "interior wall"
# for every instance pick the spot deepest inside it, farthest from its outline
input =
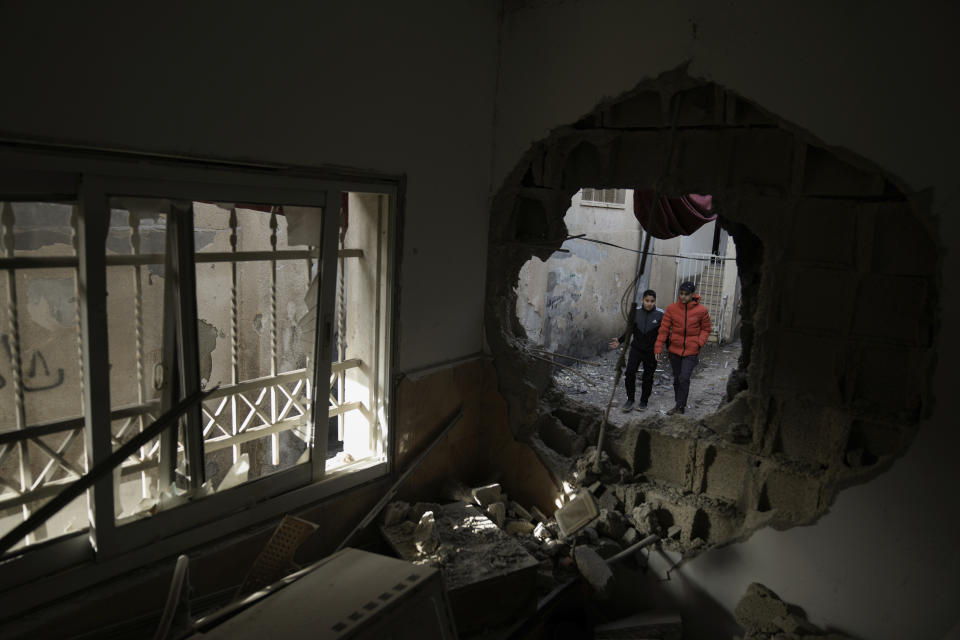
(882, 563)
(400, 88)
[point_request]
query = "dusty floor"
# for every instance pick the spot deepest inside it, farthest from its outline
(706, 387)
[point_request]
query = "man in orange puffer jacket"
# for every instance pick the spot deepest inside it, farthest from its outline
(686, 328)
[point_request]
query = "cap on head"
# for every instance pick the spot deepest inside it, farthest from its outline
(688, 287)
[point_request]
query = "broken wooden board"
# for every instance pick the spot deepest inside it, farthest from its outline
(489, 577)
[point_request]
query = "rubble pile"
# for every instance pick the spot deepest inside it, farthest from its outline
(765, 616)
(601, 515)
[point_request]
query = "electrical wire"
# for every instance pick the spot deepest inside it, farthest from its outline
(649, 253)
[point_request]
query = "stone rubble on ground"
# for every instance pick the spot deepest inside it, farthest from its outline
(487, 495)
(601, 515)
(765, 616)
(604, 513)
(498, 513)
(424, 535)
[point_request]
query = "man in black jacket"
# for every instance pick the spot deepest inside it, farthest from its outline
(645, 329)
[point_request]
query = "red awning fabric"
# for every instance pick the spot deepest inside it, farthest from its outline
(672, 217)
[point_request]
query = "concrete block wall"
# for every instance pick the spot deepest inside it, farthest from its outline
(840, 296)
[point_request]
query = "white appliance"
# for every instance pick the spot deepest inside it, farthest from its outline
(351, 595)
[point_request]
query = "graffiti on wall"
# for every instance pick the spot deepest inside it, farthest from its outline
(37, 375)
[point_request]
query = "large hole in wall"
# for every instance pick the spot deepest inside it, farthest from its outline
(575, 306)
(825, 393)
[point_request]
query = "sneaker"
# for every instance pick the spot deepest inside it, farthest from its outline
(675, 410)
(627, 406)
(641, 406)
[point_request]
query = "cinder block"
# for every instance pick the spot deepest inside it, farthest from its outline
(584, 166)
(724, 524)
(868, 442)
(766, 216)
(887, 378)
(823, 231)
(702, 160)
(813, 365)
(632, 497)
(637, 157)
(792, 493)
(641, 110)
(559, 437)
(530, 220)
(653, 454)
(810, 433)
(667, 512)
(699, 105)
(669, 459)
(902, 246)
(762, 158)
(894, 308)
(825, 174)
(740, 111)
(724, 472)
(820, 299)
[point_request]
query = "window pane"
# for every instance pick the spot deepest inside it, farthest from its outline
(357, 397)
(136, 282)
(40, 368)
(255, 339)
(42, 228)
(587, 195)
(49, 345)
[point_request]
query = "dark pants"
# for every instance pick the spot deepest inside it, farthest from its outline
(682, 370)
(633, 364)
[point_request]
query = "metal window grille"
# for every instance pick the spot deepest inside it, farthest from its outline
(706, 272)
(72, 290)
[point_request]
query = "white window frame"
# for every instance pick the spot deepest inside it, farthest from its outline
(590, 202)
(108, 548)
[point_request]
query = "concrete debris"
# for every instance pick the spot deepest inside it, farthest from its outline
(551, 547)
(632, 497)
(612, 524)
(608, 548)
(395, 513)
(487, 494)
(490, 577)
(608, 500)
(765, 616)
(519, 528)
(520, 512)
(630, 536)
(538, 516)
(758, 608)
(593, 568)
(590, 535)
(420, 508)
(674, 531)
(425, 535)
(541, 532)
(498, 513)
(577, 513)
